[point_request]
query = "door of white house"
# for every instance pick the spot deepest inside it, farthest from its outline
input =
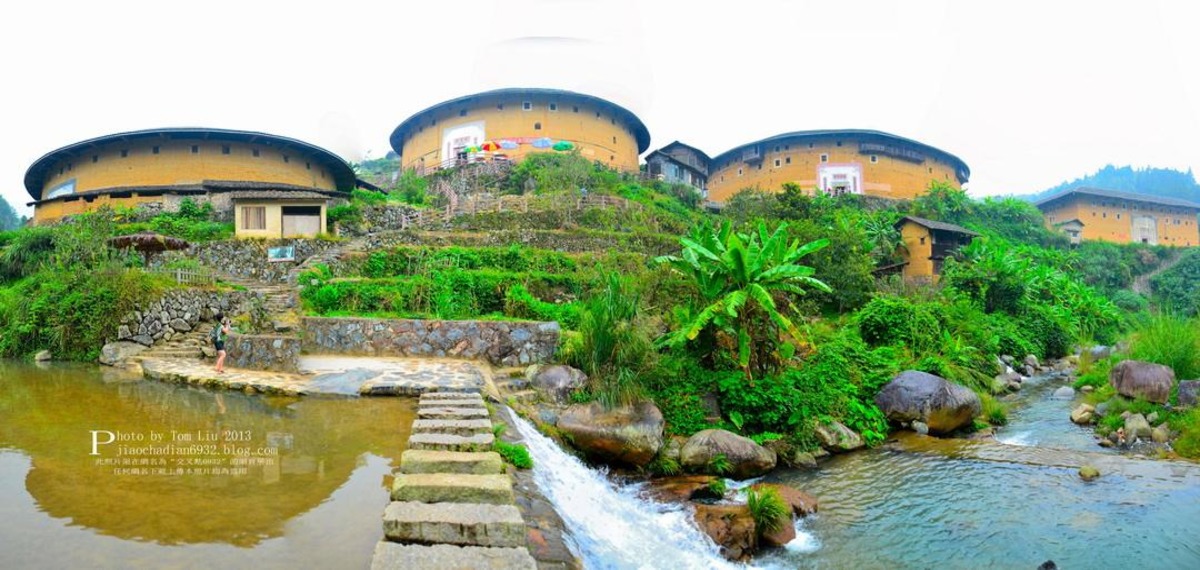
(1145, 229)
(301, 221)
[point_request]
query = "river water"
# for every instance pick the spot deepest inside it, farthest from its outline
(247, 482)
(922, 502)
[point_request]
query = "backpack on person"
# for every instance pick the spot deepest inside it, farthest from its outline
(215, 334)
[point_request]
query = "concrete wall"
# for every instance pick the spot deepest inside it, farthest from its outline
(262, 352)
(597, 133)
(499, 342)
(798, 160)
(1111, 219)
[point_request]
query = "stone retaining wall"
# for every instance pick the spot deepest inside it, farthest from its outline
(247, 258)
(377, 218)
(178, 312)
(503, 343)
(263, 352)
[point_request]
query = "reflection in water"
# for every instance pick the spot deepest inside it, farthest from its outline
(925, 502)
(240, 473)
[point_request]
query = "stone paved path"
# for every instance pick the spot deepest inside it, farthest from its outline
(327, 375)
(452, 507)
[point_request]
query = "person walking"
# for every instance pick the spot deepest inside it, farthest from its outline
(219, 334)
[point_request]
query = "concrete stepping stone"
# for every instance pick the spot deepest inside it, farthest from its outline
(454, 427)
(432, 461)
(451, 396)
(451, 404)
(464, 524)
(440, 413)
(451, 442)
(393, 556)
(453, 488)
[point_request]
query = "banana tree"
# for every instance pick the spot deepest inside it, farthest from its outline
(739, 277)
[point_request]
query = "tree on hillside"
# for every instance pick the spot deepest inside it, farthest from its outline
(9, 220)
(741, 279)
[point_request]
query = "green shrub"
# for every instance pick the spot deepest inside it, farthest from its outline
(719, 465)
(1178, 289)
(717, 488)
(615, 350)
(768, 509)
(1047, 332)
(1187, 423)
(895, 320)
(1169, 340)
(664, 466)
(514, 453)
(520, 303)
(995, 412)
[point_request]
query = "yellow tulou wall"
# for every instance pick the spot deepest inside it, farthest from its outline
(1111, 219)
(799, 159)
(918, 253)
(595, 131)
(175, 163)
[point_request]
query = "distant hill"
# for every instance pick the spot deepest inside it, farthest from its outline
(1163, 182)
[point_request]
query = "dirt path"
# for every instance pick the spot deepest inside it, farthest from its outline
(1141, 283)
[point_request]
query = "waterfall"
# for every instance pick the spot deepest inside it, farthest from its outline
(610, 526)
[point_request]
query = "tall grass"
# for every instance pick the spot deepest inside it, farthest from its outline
(768, 509)
(614, 347)
(1170, 340)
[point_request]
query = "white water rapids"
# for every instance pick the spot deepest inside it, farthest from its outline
(610, 526)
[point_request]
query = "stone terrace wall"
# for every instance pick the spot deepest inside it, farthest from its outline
(247, 259)
(377, 218)
(263, 352)
(503, 343)
(178, 312)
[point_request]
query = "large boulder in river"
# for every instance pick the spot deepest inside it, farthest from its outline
(918, 396)
(115, 352)
(556, 382)
(627, 434)
(1137, 379)
(746, 458)
(1137, 426)
(836, 437)
(731, 527)
(1188, 390)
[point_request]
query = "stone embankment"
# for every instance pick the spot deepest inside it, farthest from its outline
(452, 502)
(503, 343)
(177, 312)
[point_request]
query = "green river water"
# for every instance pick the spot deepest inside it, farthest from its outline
(247, 482)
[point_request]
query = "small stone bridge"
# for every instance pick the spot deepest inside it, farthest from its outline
(453, 504)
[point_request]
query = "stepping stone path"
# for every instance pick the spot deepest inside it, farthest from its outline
(452, 502)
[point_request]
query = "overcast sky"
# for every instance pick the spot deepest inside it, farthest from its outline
(1028, 93)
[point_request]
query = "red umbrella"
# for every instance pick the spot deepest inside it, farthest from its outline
(490, 147)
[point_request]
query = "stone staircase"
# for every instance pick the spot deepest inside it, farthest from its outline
(280, 302)
(188, 345)
(452, 504)
(513, 386)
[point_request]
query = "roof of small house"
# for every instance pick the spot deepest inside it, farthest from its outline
(1104, 193)
(935, 225)
(35, 177)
